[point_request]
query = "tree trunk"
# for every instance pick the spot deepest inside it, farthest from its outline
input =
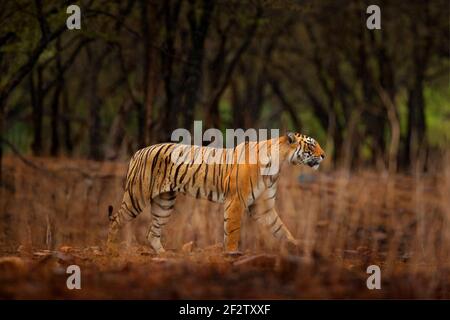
(117, 131)
(55, 144)
(37, 111)
(394, 123)
(416, 129)
(94, 102)
(415, 152)
(68, 143)
(193, 73)
(286, 104)
(237, 105)
(148, 81)
(168, 118)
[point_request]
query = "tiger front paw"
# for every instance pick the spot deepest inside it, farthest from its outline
(233, 254)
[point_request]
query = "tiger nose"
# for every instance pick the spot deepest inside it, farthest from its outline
(322, 156)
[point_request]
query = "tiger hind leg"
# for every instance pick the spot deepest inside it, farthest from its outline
(161, 209)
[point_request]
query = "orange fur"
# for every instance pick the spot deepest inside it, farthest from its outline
(153, 177)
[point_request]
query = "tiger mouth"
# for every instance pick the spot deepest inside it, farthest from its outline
(314, 164)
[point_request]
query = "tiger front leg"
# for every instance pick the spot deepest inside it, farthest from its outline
(263, 211)
(116, 222)
(234, 210)
(112, 246)
(130, 208)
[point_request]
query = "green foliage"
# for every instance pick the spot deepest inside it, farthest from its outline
(438, 116)
(311, 126)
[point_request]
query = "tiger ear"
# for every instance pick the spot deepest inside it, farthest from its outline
(291, 137)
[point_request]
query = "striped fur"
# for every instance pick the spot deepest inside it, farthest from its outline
(154, 178)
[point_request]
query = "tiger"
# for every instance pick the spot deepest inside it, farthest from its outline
(155, 178)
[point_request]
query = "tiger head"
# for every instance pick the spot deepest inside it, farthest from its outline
(304, 150)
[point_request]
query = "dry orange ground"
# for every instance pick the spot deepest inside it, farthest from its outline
(202, 274)
(55, 215)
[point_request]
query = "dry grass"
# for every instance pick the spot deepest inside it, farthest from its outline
(346, 222)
